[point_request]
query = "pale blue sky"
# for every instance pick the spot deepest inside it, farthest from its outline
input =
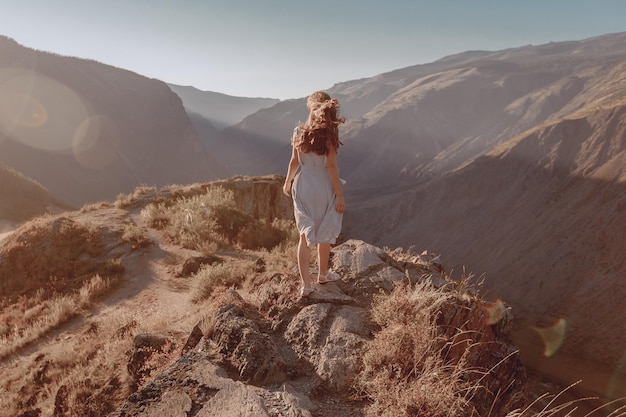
(289, 48)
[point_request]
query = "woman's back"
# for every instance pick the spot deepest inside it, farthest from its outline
(312, 160)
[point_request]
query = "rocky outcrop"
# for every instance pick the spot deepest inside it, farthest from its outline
(302, 359)
(262, 197)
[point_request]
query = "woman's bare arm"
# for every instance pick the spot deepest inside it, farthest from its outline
(333, 171)
(291, 171)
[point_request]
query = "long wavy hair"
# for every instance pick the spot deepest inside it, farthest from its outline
(321, 131)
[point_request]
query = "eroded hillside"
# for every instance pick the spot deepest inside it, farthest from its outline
(542, 217)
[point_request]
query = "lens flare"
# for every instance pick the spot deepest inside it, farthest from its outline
(495, 312)
(38, 111)
(93, 141)
(617, 383)
(21, 110)
(552, 336)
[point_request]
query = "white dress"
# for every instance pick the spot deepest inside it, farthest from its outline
(314, 201)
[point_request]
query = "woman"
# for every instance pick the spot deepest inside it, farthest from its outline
(316, 190)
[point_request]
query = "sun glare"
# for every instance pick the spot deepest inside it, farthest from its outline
(38, 111)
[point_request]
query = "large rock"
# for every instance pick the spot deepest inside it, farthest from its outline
(331, 339)
(246, 353)
(194, 386)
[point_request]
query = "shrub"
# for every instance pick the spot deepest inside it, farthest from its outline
(134, 235)
(423, 364)
(210, 220)
(209, 277)
(52, 254)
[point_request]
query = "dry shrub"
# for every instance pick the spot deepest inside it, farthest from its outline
(124, 200)
(419, 366)
(212, 219)
(210, 277)
(55, 254)
(403, 372)
(156, 215)
(260, 234)
(134, 235)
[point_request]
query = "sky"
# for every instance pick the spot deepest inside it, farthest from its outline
(289, 48)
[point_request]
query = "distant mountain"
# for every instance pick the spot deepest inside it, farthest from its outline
(88, 131)
(409, 125)
(511, 163)
(22, 198)
(217, 110)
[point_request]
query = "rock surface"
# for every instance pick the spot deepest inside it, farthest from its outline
(302, 361)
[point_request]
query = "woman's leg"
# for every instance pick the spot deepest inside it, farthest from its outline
(323, 253)
(304, 259)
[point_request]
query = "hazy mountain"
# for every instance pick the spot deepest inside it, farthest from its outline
(411, 124)
(212, 112)
(88, 131)
(222, 110)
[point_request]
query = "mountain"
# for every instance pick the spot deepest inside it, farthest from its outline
(409, 125)
(541, 216)
(220, 110)
(88, 131)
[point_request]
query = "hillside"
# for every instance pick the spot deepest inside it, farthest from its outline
(23, 198)
(88, 131)
(542, 217)
(164, 315)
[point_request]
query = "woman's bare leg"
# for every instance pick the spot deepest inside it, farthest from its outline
(323, 253)
(304, 259)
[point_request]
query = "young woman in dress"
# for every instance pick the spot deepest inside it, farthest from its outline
(313, 183)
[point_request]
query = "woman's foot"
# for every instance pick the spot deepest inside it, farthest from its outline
(306, 291)
(329, 277)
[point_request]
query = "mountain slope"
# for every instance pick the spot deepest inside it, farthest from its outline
(416, 123)
(541, 216)
(22, 198)
(88, 131)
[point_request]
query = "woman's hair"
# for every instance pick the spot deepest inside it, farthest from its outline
(321, 131)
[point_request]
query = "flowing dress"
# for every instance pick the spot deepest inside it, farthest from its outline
(314, 201)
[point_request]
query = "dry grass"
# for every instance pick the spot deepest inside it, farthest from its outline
(403, 372)
(210, 277)
(30, 319)
(554, 407)
(413, 367)
(85, 375)
(212, 220)
(135, 235)
(68, 254)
